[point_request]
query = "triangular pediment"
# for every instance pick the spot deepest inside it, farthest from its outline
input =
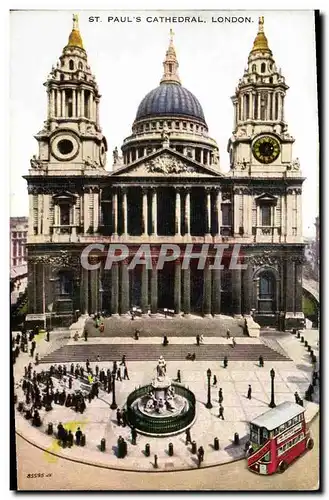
(166, 163)
(266, 198)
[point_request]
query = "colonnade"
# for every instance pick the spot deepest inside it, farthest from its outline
(84, 104)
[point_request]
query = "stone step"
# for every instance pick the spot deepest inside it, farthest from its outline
(151, 352)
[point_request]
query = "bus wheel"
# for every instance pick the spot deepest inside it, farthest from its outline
(282, 466)
(309, 444)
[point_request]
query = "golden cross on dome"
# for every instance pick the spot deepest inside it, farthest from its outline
(261, 23)
(75, 22)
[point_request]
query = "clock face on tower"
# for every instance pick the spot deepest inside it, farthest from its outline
(266, 149)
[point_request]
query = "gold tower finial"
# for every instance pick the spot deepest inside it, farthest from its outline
(261, 43)
(170, 64)
(75, 39)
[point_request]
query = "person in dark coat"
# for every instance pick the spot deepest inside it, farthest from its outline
(178, 376)
(228, 334)
(97, 370)
(72, 369)
(165, 340)
(225, 362)
(261, 361)
(70, 382)
(64, 439)
(220, 395)
(70, 439)
(78, 436)
(87, 365)
(198, 340)
(124, 418)
(123, 360)
(133, 435)
(125, 373)
(60, 431)
(215, 380)
(221, 412)
(115, 367)
(48, 335)
(200, 455)
(119, 374)
(120, 448)
(85, 333)
(188, 437)
(249, 392)
(296, 398)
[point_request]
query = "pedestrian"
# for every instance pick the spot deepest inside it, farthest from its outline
(188, 437)
(249, 392)
(124, 417)
(119, 417)
(37, 359)
(98, 358)
(221, 412)
(246, 446)
(87, 365)
(193, 357)
(136, 336)
(85, 335)
(200, 455)
(225, 362)
(123, 360)
(233, 342)
(201, 339)
(220, 395)
(165, 340)
(97, 370)
(48, 335)
(296, 397)
(198, 339)
(125, 374)
(261, 361)
(120, 448)
(133, 435)
(78, 436)
(228, 334)
(178, 376)
(119, 374)
(214, 380)
(70, 439)
(115, 367)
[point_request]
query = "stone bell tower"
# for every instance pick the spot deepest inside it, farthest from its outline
(260, 143)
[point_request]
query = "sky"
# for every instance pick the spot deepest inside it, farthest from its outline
(126, 58)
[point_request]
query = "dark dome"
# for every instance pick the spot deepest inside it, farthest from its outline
(170, 99)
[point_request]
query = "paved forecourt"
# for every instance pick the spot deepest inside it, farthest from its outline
(99, 421)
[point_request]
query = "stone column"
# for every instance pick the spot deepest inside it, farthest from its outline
(115, 212)
(63, 103)
(154, 290)
(125, 211)
(125, 302)
(145, 290)
(187, 213)
(78, 103)
(74, 103)
(97, 112)
(299, 212)
(145, 212)
(84, 292)
(236, 212)
(202, 156)
(58, 103)
(96, 212)
(45, 228)
(154, 212)
(219, 210)
(177, 286)
(86, 221)
(246, 213)
(53, 103)
(298, 285)
(207, 290)
(290, 281)
(251, 105)
(82, 103)
(217, 292)
(178, 213)
(242, 107)
(208, 210)
(48, 104)
(40, 213)
(289, 211)
(236, 291)
(115, 289)
(187, 291)
(247, 289)
(94, 290)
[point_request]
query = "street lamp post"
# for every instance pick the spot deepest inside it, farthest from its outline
(209, 405)
(114, 406)
(272, 403)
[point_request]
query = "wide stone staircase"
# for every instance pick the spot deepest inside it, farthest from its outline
(172, 327)
(172, 352)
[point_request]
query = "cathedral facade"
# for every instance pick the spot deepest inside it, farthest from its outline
(166, 188)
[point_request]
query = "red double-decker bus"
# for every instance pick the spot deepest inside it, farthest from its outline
(278, 437)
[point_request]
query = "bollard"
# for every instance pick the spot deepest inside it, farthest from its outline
(83, 440)
(147, 450)
(294, 331)
(306, 343)
(216, 443)
(170, 449)
(103, 445)
(302, 339)
(313, 359)
(298, 334)
(50, 429)
(156, 461)
(309, 348)
(194, 447)
(236, 438)
(311, 352)
(300, 402)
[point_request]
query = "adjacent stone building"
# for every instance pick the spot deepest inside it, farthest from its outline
(166, 187)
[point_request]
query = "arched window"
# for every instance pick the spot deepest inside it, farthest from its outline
(71, 64)
(271, 79)
(65, 282)
(253, 68)
(62, 77)
(266, 292)
(263, 68)
(80, 65)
